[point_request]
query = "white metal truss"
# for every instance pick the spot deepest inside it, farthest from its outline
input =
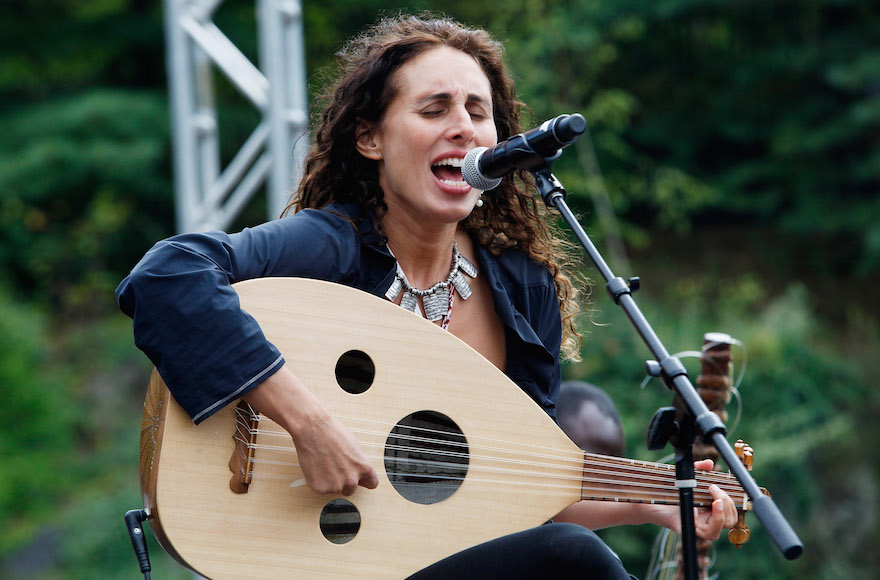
(208, 196)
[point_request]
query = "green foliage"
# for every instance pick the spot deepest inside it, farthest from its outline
(37, 418)
(803, 409)
(85, 190)
(757, 111)
(69, 437)
(81, 46)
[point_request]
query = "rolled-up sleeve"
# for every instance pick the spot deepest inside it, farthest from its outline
(186, 315)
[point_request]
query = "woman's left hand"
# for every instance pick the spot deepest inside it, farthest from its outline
(708, 522)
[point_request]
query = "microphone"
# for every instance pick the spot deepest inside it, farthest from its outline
(484, 167)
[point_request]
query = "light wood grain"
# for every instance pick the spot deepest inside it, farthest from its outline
(521, 470)
(272, 531)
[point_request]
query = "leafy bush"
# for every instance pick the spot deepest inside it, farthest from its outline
(806, 409)
(85, 191)
(37, 417)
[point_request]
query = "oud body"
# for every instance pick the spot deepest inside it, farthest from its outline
(227, 498)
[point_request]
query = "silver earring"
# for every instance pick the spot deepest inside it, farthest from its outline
(480, 200)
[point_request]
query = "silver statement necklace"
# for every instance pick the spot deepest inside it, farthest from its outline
(436, 300)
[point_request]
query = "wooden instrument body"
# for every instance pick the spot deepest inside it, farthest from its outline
(272, 530)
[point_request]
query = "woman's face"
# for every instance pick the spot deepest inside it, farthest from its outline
(442, 109)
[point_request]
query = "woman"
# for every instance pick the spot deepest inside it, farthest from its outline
(383, 208)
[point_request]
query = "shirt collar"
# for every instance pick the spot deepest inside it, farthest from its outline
(498, 282)
(497, 279)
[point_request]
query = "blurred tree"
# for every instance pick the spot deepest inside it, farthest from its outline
(764, 113)
(83, 189)
(84, 181)
(37, 419)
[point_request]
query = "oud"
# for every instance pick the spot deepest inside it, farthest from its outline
(464, 455)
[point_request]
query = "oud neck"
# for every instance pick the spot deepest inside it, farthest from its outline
(627, 480)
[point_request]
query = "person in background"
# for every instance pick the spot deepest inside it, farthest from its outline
(589, 417)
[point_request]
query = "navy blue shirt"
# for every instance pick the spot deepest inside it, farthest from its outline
(187, 318)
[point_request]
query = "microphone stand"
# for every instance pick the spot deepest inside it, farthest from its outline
(679, 428)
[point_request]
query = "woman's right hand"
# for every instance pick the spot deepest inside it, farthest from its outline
(331, 458)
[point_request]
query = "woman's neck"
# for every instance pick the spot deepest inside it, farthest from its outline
(424, 253)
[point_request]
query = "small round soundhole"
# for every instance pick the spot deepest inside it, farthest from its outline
(340, 521)
(355, 372)
(426, 457)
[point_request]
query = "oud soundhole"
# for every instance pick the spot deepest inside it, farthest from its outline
(355, 372)
(426, 457)
(340, 521)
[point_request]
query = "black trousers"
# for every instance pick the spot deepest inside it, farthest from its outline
(553, 551)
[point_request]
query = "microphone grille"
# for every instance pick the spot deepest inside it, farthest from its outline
(470, 171)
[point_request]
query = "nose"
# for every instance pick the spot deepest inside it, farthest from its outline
(461, 127)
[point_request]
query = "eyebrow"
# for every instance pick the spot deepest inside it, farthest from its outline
(472, 98)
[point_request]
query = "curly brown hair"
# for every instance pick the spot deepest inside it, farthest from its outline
(336, 172)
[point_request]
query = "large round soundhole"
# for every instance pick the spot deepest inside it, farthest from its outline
(340, 521)
(426, 457)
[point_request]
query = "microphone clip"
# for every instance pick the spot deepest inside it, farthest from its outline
(549, 187)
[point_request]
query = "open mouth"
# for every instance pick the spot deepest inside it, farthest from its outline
(449, 172)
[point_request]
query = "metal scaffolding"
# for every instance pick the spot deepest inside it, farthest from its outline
(208, 196)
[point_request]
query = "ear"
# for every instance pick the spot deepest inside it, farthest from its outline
(367, 140)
